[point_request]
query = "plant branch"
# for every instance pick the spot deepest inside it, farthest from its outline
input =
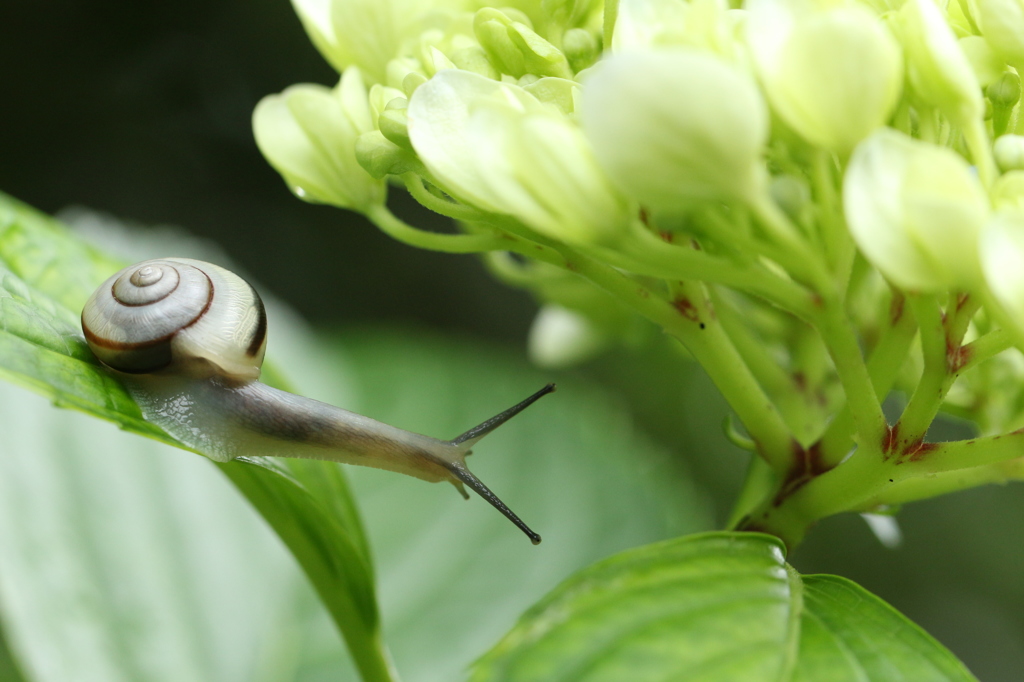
(690, 318)
(861, 399)
(884, 366)
(394, 227)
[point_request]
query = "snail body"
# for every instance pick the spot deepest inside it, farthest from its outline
(187, 339)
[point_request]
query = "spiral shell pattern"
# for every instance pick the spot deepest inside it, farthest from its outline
(177, 314)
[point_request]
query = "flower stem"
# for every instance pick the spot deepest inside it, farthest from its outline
(861, 399)
(647, 254)
(690, 318)
(884, 365)
(414, 184)
(394, 227)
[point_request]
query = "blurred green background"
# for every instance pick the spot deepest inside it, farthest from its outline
(141, 110)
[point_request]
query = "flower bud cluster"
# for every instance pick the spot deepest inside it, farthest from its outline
(801, 139)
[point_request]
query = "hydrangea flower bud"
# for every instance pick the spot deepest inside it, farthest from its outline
(581, 48)
(915, 210)
(986, 64)
(514, 48)
(1008, 190)
(308, 134)
(498, 147)
(1002, 24)
(834, 75)
(1009, 152)
(939, 71)
(705, 24)
(561, 338)
(673, 126)
(364, 33)
(1001, 249)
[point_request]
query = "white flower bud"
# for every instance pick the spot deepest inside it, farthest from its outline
(834, 75)
(1009, 152)
(561, 338)
(1001, 250)
(987, 66)
(915, 211)
(498, 147)
(514, 48)
(364, 33)
(1002, 24)
(939, 71)
(673, 126)
(1008, 190)
(308, 134)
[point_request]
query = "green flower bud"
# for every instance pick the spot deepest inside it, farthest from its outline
(364, 33)
(1001, 249)
(399, 70)
(1002, 24)
(380, 97)
(581, 48)
(557, 91)
(568, 12)
(939, 72)
(915, 210)
(1009, 152)
(1003, 94)
(381, 157)
(644, 24)
(792, 194)
(412, 81)
(708, 25)
(1008, 190)
(985, 63)
(515, 49)
(496, 146)
(308, 134)
(674, 126)
(833, 75)
(393, 123)
(473, 58)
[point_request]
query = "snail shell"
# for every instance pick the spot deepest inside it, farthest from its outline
(188, 339)
(200, 317)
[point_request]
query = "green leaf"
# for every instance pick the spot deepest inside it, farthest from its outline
(45, 277)
(715, 606)
(847, 633)
(455, 574)
(125, 560)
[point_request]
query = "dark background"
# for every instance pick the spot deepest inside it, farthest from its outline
(142, 110)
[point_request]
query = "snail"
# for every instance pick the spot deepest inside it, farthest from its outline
(187, 340)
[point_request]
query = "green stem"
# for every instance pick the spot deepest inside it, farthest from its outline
(450, 209)
(924, 487)
(833, 235)
(759, 481)
(884, 366)
(646, 254)
(394, 227)
(799, 259)
(777, 381)
(861, 399)
(964, 454)
(940, 344)
(976, 137)
(985, 347)
(691, 320)
(925, 401)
